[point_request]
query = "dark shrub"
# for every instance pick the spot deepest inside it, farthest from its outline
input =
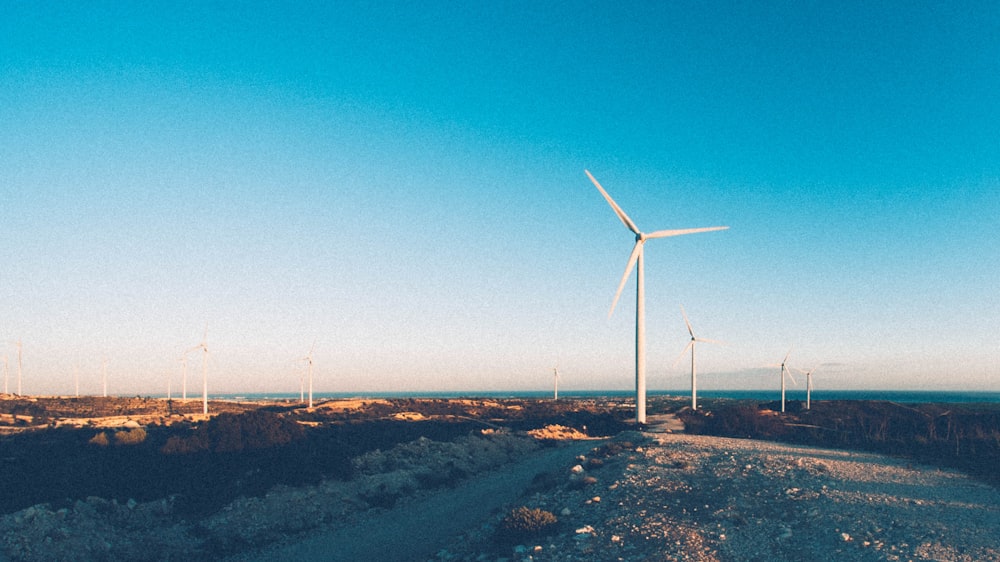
(524, 523)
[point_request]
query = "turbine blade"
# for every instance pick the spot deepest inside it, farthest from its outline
(789, 371)
(614, 206)
(785, 360)
(636, 250)
(668, 233)
(683, 353)
(686, 321)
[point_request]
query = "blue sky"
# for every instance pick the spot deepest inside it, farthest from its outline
(404, 184)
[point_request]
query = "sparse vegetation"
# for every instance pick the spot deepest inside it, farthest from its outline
(230, 433)
(963, 436)
(100, 439)
(205, 465)
(522, 523)
(130, 436)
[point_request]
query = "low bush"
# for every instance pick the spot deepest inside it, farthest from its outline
(523, 523)
(99, 439)
(130, 437)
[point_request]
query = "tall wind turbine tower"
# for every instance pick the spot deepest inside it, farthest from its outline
(636, 260)
(203, 346)
(555, 383)
(691, 345)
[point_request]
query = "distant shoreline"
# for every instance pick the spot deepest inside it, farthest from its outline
(901, 396)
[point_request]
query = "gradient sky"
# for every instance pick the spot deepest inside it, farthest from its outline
(403, 183)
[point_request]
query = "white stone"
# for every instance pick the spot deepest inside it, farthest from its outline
(845, 537)
(577, 469)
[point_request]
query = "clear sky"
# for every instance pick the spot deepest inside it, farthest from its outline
(403, 183)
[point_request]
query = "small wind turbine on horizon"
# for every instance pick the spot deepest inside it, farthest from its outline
(784, 370)
(204, 369)
(184, 376)
(309, 359)
(104, 376)
(18, 367)
(635, 260)
(555, 383)
(691, 345)
(809, 386)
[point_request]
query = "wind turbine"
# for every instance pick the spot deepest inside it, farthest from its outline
(809, 386)
(784, 369)
(636, 260)
(76, 377)
(204, 370)
(309, 359)
(18, 367)
(691, 345)
(104, 375)
(555, 383)
(184, 376)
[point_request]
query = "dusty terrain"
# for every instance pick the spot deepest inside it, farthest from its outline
(684, 497)
(436, 479)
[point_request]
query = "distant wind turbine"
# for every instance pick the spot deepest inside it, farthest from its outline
(76, 377)
(309, 360)
(19, 367)
(809, 386)
(184, 377)
(691, 345)
(636, 260)
(784, 370)
(203, 346)
(555, 383)
(104, 375)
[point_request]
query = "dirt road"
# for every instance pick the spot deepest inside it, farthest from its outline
(419, 528)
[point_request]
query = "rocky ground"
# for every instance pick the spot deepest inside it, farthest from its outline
(683, 497)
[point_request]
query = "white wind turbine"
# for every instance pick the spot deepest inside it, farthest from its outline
(104, 375)
(691, 345)
(184, 376)
(204, 369)
(809, 386)
(18, 367)
(309, 360)
(555, 383)
(784, 369)
(636, 260)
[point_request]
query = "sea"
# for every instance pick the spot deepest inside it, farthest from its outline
(901, 396)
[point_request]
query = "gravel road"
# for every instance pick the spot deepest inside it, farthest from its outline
(682, 497)
(416, 529)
